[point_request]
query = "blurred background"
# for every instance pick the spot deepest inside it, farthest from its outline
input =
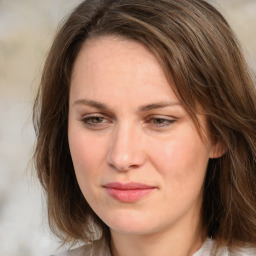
(26, 31)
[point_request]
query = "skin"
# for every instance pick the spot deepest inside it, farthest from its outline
(127, 125)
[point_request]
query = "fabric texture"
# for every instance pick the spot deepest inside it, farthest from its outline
(97, 248)
(100, 248)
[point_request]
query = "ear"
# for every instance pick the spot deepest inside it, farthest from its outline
(219, 148)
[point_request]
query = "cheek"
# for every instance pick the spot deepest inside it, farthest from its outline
(182, 160)
(86, 153)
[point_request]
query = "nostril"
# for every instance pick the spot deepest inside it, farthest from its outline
(128, 162)
(123, 168)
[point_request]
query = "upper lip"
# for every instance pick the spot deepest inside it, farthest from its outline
(127, 186)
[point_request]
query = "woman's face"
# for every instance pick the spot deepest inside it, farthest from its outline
(138, 158)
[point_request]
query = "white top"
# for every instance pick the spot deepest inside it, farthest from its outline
(100, 248)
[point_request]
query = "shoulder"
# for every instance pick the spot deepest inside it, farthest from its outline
(80, 251)
(245, 251)
(209, 249)
(97, 248)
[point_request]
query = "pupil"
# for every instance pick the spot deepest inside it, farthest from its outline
(97, 119)
(159, 121)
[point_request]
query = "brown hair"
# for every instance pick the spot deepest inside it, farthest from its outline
(202, 59)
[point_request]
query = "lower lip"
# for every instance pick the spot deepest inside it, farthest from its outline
(129, 195)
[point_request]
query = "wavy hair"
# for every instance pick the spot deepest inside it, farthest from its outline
(202, 60)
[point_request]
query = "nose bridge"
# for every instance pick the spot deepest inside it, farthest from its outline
(126, 149)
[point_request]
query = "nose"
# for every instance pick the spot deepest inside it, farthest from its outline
(126, 150)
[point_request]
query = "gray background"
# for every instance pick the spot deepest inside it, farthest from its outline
(26, 31)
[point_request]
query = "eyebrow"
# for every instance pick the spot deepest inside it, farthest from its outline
(91, 103)
(143, 108)
(157, 105)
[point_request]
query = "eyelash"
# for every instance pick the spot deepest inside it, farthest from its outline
(157, 122)
(89, 120)
(160, 121)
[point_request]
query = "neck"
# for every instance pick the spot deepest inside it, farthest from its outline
(169, 242)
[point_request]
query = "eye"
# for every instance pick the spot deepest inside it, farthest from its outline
(95, 121)
(159, 121)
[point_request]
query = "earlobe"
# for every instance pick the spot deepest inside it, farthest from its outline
(219, 148)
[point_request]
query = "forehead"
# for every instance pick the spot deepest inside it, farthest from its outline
(115, 66)
(113, 54)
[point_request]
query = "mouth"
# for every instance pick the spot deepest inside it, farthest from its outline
(128, 192)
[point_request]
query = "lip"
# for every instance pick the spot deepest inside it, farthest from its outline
(128, 192)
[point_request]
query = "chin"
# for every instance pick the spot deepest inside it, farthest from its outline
(132, 229)
(130, 223)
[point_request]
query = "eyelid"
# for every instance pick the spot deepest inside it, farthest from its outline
(167, 119)
(96, 114)
(93, 115)
(85, 120)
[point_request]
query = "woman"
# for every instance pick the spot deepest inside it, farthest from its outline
(145, 122)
